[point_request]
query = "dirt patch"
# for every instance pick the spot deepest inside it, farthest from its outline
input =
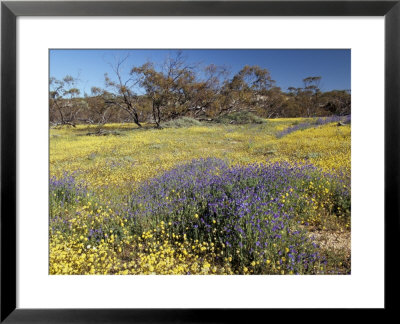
(332, 240)
(336, 247)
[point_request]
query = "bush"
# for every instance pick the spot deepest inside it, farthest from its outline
(243, 117)
(181, 122)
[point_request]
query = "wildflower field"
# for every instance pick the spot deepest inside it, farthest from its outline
(265, 198)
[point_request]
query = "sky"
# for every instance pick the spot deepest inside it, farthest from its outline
(287, 67)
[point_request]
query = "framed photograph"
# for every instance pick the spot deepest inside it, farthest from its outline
(187, 161)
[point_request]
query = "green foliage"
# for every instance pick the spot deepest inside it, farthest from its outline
(243, 117)
(181, 122)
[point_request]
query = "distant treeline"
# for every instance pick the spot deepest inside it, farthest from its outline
(176, 89)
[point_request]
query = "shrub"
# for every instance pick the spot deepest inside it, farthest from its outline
(181, 122)
(243, 117)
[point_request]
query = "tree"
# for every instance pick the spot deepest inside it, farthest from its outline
(204, 92)
(176, 88)
(168, 88)
(249, 86)
(272, 103)
(63, 101)
(310, 94)
(337, 102)
(304, 101)
(122, 92)
(99, 110)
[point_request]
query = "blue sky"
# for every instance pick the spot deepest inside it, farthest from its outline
(287, 67)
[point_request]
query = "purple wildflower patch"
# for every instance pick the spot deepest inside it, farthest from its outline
(314, 123)
(242, 206)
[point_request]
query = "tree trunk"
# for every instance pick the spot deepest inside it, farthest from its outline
(156, 115)
(136, 120)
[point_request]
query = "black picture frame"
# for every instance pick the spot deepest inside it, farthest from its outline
(10, 10)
